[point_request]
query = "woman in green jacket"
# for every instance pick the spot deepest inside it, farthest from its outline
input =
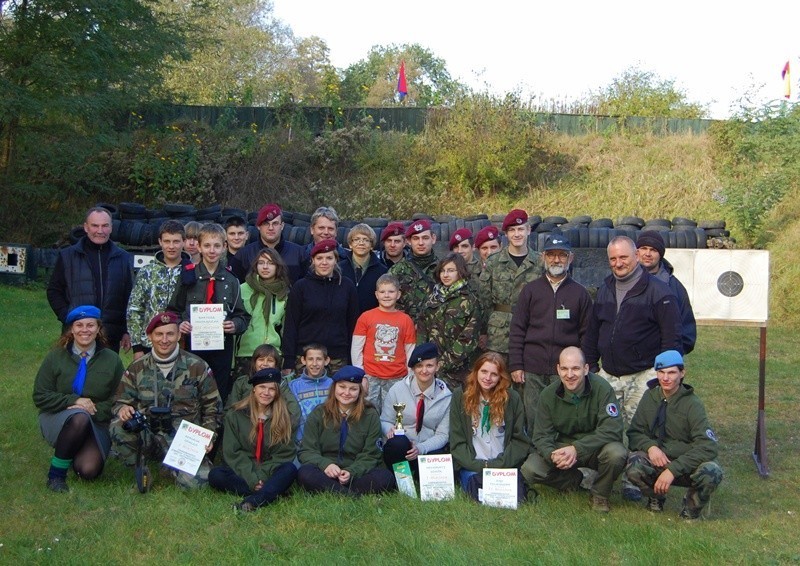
(74, 391)
(339, 452)
(487, 425)
(258, 445)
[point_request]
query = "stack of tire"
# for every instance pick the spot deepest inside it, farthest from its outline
(136, 226)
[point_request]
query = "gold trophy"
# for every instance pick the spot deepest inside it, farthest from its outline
(398, 421)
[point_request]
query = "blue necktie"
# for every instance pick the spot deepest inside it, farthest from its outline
(80, 376)
(342, 437)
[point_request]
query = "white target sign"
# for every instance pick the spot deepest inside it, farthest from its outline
(724, 284)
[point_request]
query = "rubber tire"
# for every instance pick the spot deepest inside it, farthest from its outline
(376, 222)
(544, 227)
(711, 224)
(659, 222)
(175, 209)
(559, 220)
(582, 219)
(475, 217)
(143, 479)
(113, 210)
(655, 227)
(601, 223)
(631, 220)
(681, 221)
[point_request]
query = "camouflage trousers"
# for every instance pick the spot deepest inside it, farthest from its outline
(701, 483)
(378, 389)
(125, 446)
(531, 389)
(629, 390)
(608, 461)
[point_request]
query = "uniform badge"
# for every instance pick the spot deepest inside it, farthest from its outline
(711, 435)
(418, 227)
(612, 410)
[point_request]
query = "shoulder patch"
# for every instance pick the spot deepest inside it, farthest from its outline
(612, 410)
(711, 435)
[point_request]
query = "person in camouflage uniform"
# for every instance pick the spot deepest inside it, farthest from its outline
(166, 377)
(449, 319)
(416, 272)
(671, 441)
(505, 275)
(155, 284)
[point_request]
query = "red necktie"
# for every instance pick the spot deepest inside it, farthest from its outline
(210, 291)
(420, 412)
(259, 440)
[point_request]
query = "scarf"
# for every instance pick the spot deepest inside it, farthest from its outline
(268, 289)
(442, 294)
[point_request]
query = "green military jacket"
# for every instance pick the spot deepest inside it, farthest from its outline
(320, 445)
(589, 424)
(240, 452)
(416, 276)
(501, 282)
(515, 441)
(449, 319)
(242, 388)
(193, 391)
(688, 440)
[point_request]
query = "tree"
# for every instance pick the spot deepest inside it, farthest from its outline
(78, 62)
(639, 92)
(373, 81)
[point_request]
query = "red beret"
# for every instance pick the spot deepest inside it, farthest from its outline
(486, 234)
(324, 246)
(516, 217)
(459, 236)
(162, 319)
(393, 229)
(417, 227)
(268, 212)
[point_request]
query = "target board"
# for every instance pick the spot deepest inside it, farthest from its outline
(724, 284)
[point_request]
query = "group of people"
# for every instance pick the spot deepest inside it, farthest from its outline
(327, 342)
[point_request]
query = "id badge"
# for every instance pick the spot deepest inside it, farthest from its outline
(562, 314)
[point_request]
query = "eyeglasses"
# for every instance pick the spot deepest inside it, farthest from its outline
(273, 223)
(360, 241)
(266, 263)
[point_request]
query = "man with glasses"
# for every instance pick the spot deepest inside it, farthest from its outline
(270, 230)
(552, 313)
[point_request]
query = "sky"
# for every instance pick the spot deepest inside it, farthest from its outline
(716, 52)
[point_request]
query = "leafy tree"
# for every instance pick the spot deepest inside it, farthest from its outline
(638, 92)
(373, 81)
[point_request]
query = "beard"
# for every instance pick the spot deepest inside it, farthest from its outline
(556, 270)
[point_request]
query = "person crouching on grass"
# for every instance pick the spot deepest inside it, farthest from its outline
(339, 452)
(258, 445)
(487, 425)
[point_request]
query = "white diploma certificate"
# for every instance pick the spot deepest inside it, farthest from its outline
(436, 477)
(188, 449)
(500, 487)
(206, 320)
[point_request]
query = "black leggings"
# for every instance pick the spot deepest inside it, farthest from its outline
(76, 442)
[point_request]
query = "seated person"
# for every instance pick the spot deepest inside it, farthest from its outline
(426, 416)
(74, 391)
(487, 425)
(339, 452)
(577, 424)
(168, 378)
(311, 387)
(258, 445)
(672, 442)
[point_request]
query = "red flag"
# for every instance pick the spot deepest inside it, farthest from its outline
(402, 88)
(787, 81)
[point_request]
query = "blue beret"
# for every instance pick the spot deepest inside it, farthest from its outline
(349, 373)
(425, 351)
(668, 359)
(267, 375)
(84, 311)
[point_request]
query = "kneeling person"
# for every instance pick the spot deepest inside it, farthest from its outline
(426, 416)
(166, 378)
(671, 441)
(577, 424)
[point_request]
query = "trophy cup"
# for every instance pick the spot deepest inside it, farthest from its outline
(398, 421)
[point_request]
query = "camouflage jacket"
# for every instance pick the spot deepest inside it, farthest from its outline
(501, 282)
(154, 286)
(193, 391)
(416, 283)
(449, 318)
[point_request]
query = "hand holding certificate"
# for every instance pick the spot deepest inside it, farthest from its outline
(188, 448)
(207, 326)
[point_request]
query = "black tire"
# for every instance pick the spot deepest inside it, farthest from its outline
(175, 209)
(601, 223)
(376, 222)
(475, 217)
(76, 234)
(715, 232)
(573, 236)
(627, 228)
(113, 210)
(115, 230)
(701, 237)
(681, 221)
(558, 220)
(253, 234)
(228, 212)
(213, 209)
(143, 478)
(655, 227)
(670, 240)
(582, 219)
(132, 208)
(301, 223)
(497, 218)
(683, 228)
(711, 224)
(445, 231)
(422, 216)
(545, 227)
(532, 220)
(341, 235)
(631, 221)
(594, 237)
(570, 226)
(583, 237)
(659, 222)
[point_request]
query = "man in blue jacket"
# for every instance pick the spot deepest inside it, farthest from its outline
(94, 271)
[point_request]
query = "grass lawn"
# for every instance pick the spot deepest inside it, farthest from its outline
(752, 520)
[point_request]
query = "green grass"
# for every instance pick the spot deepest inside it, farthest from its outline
(107, 522)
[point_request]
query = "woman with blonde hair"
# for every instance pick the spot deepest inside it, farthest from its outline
(487, 425)
(258, 445)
